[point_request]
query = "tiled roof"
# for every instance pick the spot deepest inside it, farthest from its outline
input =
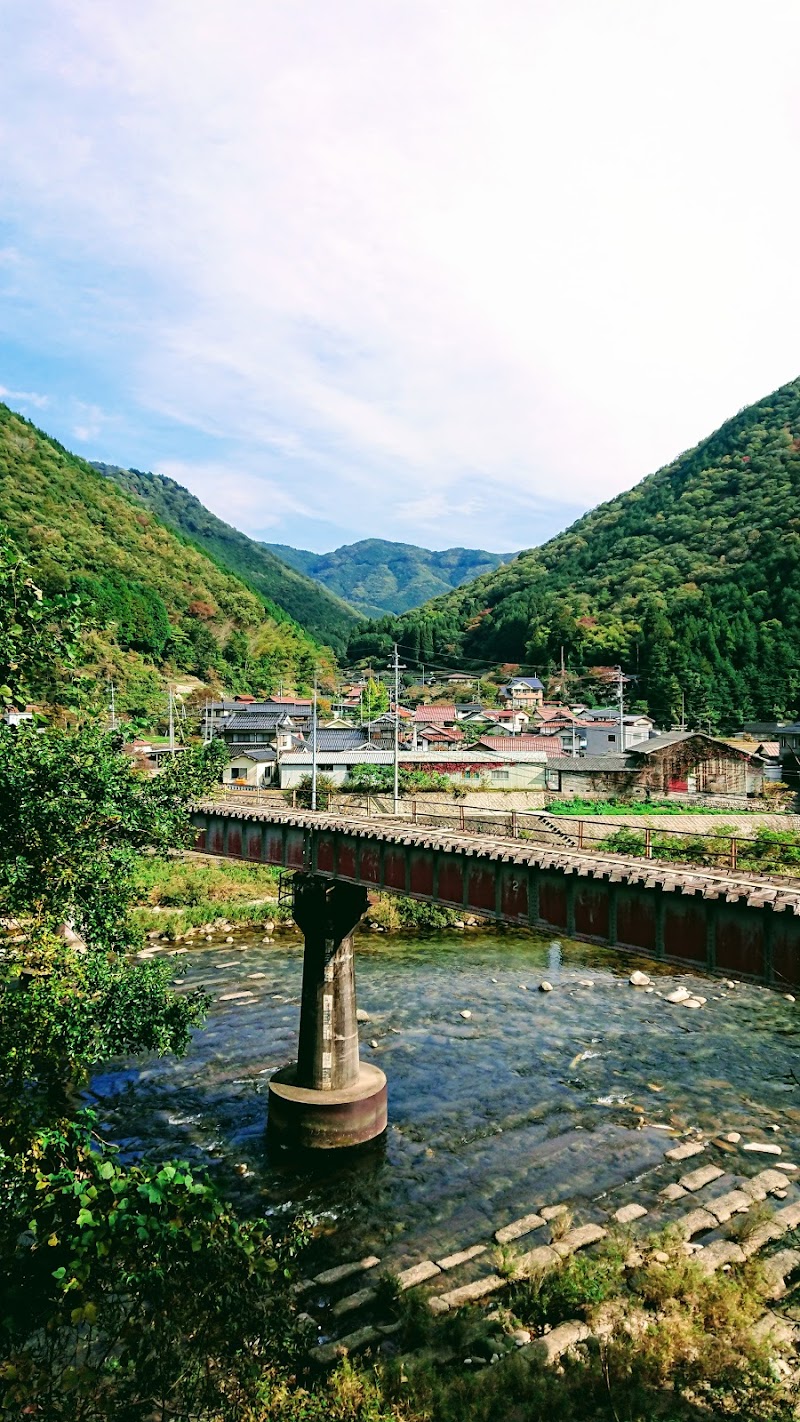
(438, 711)
(338, 739)
(441, 732)
(254, 721)
(248, 752)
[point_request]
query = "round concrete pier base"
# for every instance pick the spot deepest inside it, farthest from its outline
(303, 1119)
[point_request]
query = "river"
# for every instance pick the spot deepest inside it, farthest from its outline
(536, 1097)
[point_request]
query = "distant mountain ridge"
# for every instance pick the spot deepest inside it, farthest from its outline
(327, 618)
(377, 576)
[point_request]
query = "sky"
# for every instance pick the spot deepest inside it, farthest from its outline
(448, 273)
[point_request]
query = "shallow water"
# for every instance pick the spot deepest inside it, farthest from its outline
(537, 1097)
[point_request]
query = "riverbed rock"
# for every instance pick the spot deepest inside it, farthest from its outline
(346, 1271)
(762, 1147)
(452, 1261)
(696, 1179)
(229, 939)
(579, 1238)
(678, 994)
(518, 1228)
(471, 1293)
(638, 979)
(417, 1274)
(361, 1015)
(545, 987)
(466, 1014)
(735, 1202)
(685, 1150)
(627, 1213)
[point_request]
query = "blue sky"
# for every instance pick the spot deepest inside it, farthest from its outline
(445, 273)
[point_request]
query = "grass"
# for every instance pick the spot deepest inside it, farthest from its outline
(765, 852)
(185, 892)
(614, 806)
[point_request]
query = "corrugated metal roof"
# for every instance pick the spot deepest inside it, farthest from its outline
(577, 764)
(512, 744)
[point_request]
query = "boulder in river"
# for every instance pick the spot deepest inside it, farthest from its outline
(638, 979)
(545, 987)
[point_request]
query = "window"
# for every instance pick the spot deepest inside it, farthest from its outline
(612, 738)
(238, 772)
(499, 775)
(552, 779)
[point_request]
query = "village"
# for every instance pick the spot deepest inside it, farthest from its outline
(547, 749)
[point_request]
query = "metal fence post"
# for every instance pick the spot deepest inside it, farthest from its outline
(648, 843)
(514, 827)
(461, 816)
(413, 811)
(734, 851)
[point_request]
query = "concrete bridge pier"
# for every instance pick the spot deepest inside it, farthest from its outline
(327, 1099)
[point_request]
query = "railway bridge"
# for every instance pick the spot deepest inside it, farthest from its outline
(742, 925)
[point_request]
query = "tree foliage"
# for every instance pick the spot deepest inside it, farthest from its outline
(286, 592)
(123, 592)
(377, 576)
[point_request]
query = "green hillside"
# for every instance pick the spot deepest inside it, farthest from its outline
(326, 617)
(377, 576)
(691, 581)
(141, 602)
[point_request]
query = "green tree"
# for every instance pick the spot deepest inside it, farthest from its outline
(375, 699)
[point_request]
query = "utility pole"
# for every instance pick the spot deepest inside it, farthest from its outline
(396, 731)
(113, 709)
(171, 720)
(621, 695)
(422, 664)
(314, 747)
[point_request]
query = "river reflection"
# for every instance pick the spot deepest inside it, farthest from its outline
(535, 1097)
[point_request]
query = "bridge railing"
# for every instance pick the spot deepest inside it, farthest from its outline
(719, 847)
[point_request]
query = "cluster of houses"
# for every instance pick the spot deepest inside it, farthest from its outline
(526, 743)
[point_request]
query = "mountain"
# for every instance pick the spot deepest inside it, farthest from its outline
(141, 603)
(691, 581)
(326, 617)
(377, 576)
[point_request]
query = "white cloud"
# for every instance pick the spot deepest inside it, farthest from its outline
(24, 397)
(370, 253)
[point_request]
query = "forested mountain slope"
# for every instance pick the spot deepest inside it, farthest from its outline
(377, 576)
(141, 601)
(691, 580)
(326, 617)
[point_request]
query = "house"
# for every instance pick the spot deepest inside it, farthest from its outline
(436, 713)
(259, 728)
(434, 737)
(216, 714)
(511, 722)
(604, 735)
(251, 769)
(523, 691)
(510, 746)
(678, 763)
(693, 763)
(468, 766)
(12, 717)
